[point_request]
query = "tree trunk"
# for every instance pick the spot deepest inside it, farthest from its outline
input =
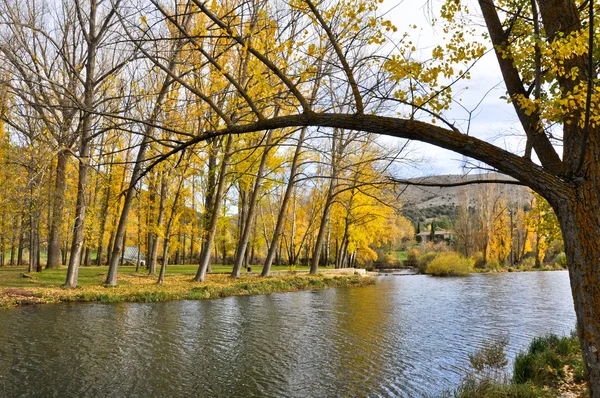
(111, 278)
(284, 205)
(314, 264)
(58, 203)
(209, 241)
(245, 235)
(580, 221)
(161, 217)
(84, 150)
(167, 239)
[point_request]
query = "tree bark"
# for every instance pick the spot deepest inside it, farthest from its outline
(580, 225)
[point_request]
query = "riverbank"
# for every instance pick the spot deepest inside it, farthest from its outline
(451, 263)
(552, 366)
(19, 288)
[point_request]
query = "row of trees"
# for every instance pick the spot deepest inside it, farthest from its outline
(503, 228)
(85, 89)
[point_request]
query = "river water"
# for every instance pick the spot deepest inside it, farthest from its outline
(407, 336)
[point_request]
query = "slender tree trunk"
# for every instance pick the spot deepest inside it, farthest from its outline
(86, 257)
(314, 264)
(243, 243)
(161, 217)
(167, 239)
(58, 203)
(284, 205)
(111, 278)
(21, 243)
(84, 150)
(212, 230)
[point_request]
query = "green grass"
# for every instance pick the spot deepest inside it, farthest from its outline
(399, 255)
(17, 276)
(545, 361)
(551, 367)
(17, 287)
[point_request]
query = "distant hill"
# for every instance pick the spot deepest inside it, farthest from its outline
(422, 204)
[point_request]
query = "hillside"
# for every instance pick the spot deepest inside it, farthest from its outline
(421, 203)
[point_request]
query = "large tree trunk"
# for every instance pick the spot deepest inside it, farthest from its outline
(580, 224)
(58, 203)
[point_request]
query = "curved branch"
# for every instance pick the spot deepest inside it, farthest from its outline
(455, 184)
(527, 172)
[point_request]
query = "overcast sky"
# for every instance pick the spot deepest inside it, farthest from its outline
(493, 120)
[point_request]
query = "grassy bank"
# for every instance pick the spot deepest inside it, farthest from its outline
(551, 367)
(20, 288)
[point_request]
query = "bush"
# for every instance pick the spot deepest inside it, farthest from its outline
(424, 259)
(541, 371)
(477, 259)
(528, 263)
(560, 259)
(488, 378)
(543, 364)
(492, 263)
(411, 258)
(449, 264)
(554, 249)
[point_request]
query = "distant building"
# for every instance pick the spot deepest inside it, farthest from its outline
(133, 254)
(439, 234)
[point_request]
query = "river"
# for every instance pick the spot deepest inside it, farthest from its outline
(407, 336)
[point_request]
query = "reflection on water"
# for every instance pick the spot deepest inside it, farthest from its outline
(406, 336)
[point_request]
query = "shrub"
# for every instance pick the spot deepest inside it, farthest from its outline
(528, 263)
(560, 259)
(490, 360)
(538, 372)
(424, 259)
(488, 376)
(449, 264)
(492, 263)
(544, 362)
(411, 258)
(478, 260)
(555, 248)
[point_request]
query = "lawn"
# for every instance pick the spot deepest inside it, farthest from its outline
(17, 276)
(18, 287)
